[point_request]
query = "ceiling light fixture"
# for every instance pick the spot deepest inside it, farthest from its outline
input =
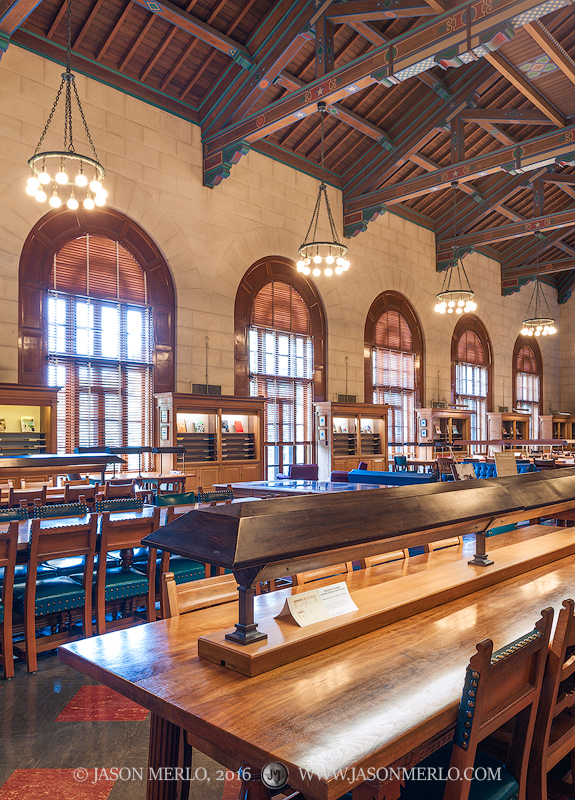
(57, 167)
(314, 254)
(455, 296)
(536, 323)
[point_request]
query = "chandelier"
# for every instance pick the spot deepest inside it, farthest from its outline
(537, 324)
(455, 295)
(52, 171)
(313, 253)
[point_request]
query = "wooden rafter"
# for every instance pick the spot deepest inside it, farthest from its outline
(84, 29)
(551, 46)
(549, 267)
(553, 145)
(13, 14)
(506, 116)
(114, 31)
(562, 219)
(372, 10)
(526, 88)
(409, 50)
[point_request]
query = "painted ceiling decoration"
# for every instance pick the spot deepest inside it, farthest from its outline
(420, 94)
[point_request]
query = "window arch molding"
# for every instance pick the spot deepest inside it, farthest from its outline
(469, 322)
(46, 238)
(532, 343)
(262, 272)
(393, 301)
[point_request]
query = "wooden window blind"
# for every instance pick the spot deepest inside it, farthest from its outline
(277, 305)
(100, 346)
(526, 360)
(393, 332)
(471, 391)
(470, 349)
(393, 376)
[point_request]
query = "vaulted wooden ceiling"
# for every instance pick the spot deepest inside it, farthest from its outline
(421, 94)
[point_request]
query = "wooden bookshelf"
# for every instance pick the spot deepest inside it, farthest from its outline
(36, 402)
(508, 425)
(553, 426)
(222, 437)
(350, 433)
(440, 431)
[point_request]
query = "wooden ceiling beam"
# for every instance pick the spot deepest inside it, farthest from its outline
(373, 10)
(197, 75)
(558, 179)
(497, 133)
(84, 29)
(280, 47)
(153, 60)
(13, 14)
(549, 267)
(324, 46)
(136, 43)
(565, 284)
(409, 52)
(194, 26)
(552, 48)
(506, 116)
(494, 202)
(554, 145)
(562, 219)
(527, 89)
(57, 19)
(526, 250)
(176, 66)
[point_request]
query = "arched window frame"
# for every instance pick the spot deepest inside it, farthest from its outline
(534, 345)
(469, 322)
(258, 276)
(47, 237)
(393, 301)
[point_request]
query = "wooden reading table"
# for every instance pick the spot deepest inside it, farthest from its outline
(372, 702)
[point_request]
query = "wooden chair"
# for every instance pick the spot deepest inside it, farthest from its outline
(122, 504)
(124, 582)
(8, 547)
(542, 464)
(498, 687)
(555, 726)
(27, 497)
(455, 541)
(117, 490)
(72, 494)
(384, 558)
(185, 597)
(322, 572)
(43, 596)
(445, 468)
(218, 497)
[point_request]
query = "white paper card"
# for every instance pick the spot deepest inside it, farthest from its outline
(318, 604)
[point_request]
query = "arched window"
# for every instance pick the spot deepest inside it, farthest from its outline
(280, 355)
(393, 365)
(97, 301)
(528, 381)
(471, 372)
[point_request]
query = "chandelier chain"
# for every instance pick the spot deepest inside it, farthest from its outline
(85, 123)
(49, 121)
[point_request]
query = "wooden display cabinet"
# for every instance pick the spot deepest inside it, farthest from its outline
(553, 426)
(441, 429)
(350, 433)
(39, 403)
(222, 437)
(507, 425)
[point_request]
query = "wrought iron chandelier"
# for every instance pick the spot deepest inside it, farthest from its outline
(455, 295)
(53, 168)
(313, 253)
(536, 323)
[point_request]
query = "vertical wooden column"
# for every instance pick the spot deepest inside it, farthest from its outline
(324, 55)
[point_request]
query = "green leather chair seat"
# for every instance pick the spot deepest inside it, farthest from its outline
(178, 499)
(1, 613)
(504, 789)
(52, 595)
(44, 571)
(184, 569)
(120, 583)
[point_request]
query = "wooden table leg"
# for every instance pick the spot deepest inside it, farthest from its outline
(252, 788)
(163, 755)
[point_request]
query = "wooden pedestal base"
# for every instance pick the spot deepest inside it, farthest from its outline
(382, 605)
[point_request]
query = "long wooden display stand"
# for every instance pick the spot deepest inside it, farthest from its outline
(274, 538)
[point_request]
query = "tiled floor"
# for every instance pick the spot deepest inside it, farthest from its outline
(62, 736)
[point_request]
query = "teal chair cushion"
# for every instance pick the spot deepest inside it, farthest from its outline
(184, 569)
(506, 788)
(1, 613)
(175, 499)
(52, 595)
(121, 504)
(44, 571)
(121, 583)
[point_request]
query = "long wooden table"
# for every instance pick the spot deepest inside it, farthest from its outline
(50, 465)
(364, 704)
(292, 488)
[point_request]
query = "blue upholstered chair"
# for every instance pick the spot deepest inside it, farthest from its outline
(400, 463)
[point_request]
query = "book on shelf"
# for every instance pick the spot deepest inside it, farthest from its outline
(438, 429)
(2, 424)
(27, 424)
(199, 426)
(181, 426)
(344, 428)
(225, 426)
(367, 429)
(238, 425)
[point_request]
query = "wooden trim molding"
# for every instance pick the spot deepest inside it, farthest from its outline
(47, 237)
(266, 270)
(531, 342)
(393, 301)
(469, 322)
